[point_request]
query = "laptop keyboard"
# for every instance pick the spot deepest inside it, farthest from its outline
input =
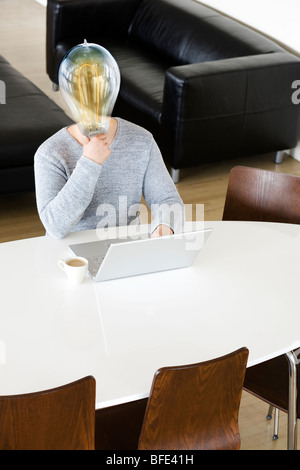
(94, 264)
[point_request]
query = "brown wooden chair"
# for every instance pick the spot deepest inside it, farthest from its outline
(189, 407)
(195, 406)
(62, 418)
(259, 195)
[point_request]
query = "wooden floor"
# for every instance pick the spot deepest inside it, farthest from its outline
(22, 40)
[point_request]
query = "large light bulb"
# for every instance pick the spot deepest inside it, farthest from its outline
(89, 80)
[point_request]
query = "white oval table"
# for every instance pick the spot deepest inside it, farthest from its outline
(242, 290)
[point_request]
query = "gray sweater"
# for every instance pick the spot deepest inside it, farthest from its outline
(74, 193)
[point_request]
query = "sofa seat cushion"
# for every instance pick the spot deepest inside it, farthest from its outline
(143, 78)
(27, 119)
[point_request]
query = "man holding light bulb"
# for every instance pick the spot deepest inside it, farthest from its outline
(90, 165)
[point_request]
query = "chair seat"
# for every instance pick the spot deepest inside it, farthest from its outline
(269, 381)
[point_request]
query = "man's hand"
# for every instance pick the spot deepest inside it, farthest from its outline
(96, 148)
(162, 230)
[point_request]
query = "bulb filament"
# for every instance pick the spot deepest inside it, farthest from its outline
(80, 92)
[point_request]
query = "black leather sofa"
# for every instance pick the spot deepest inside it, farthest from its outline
(207, 87)
(27, 118)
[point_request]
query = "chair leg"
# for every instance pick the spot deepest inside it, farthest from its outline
(279, 156)
(55, 87)
(292, 408)
(175, 175)
(276, 422)
(270, 411)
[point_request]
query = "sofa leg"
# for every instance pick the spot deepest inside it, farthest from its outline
(279, 156)
(55, 87)
(175, 175)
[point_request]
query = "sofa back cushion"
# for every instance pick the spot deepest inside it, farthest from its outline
(187, 32)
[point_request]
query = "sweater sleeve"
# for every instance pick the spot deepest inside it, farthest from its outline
(61, 201)
(161, 195)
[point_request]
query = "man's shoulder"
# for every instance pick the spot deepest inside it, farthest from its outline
(134, 132)
(56, 144)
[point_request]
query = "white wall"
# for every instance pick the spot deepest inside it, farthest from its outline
(42, 2)
(279, 19)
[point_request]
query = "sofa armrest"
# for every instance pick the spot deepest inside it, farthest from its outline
(71, 21)
(229, 88)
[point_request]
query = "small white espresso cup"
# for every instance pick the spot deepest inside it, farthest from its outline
(75, 268)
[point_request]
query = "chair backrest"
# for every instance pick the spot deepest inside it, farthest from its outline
(58, 419)
(195, 406)
(260, 195)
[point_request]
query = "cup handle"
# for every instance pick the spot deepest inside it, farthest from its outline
(61, 264)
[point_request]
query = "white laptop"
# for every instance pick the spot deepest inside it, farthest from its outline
(124, 257)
